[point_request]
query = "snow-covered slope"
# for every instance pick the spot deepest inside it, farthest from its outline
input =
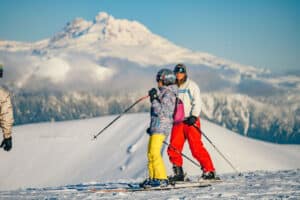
(54, 154)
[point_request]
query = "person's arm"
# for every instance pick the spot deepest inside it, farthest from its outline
(196, 101)
(155, 102)
(6, 116)
(6, 120)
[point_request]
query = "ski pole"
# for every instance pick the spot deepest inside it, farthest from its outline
(177, 151)
(201, 132)
(126, 110)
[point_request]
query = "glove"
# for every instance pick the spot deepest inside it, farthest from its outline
(6, 144)
(153, 94)
(191, 120)
(148, 130)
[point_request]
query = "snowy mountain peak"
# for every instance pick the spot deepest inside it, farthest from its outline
(107, 36)
(77, 24)
(102, 17)
(131, 40)
(120, 31)
(104, 28)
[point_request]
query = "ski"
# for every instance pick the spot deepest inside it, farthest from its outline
(134, 187)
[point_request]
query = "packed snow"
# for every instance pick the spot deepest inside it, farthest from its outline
(60, 160)
(252, 185)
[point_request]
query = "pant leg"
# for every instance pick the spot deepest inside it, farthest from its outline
(150, 163)
(156, 164)
(176, 144)
(199, 152)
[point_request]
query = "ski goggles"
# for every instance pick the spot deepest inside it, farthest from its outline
(179, 69)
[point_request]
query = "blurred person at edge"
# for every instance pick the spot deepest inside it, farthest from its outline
(6, 116)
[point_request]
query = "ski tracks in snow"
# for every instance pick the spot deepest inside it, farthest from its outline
(138, 143)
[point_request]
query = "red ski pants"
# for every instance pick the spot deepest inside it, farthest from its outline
(182, 132)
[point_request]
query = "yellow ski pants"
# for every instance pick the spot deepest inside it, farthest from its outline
(156, 166)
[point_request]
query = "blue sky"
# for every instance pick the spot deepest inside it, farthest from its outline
(262, 33)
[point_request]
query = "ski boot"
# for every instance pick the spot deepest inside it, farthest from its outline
(209, 176)
(156, 183)
(145, 182)
(178, 175)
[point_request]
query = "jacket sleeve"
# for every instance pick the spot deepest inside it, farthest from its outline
(6, 114)
(196, 101)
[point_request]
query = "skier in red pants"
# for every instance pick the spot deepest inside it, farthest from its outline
(189, 129)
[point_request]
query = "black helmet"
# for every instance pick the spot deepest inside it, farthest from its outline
(166, 76)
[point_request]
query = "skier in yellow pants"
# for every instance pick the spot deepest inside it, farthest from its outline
(162, 110)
